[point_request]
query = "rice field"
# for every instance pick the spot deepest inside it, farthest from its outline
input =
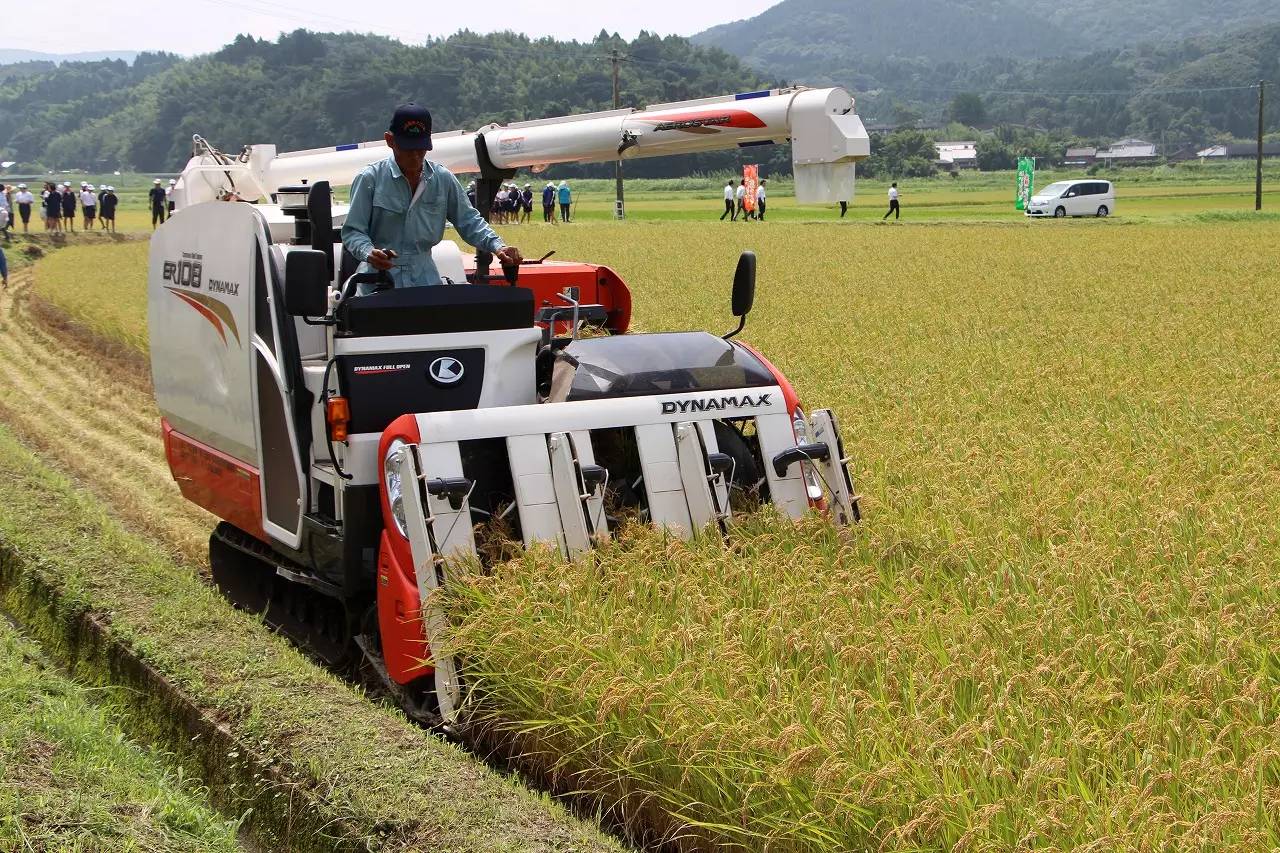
(1057, 626)
(1059, 623)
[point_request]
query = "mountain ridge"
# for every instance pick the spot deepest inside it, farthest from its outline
(10, 56)
(799, 38)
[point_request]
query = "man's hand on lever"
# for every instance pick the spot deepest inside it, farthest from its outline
(381, 259)
(509, 256)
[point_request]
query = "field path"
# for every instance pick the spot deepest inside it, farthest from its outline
(97, 419)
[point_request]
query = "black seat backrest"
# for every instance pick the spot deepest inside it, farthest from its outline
(441, 309)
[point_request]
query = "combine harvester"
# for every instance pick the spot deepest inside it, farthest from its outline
(352, 444)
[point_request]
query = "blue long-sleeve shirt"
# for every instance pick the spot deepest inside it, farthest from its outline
(385, 214)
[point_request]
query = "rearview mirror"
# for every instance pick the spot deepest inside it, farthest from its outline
(306, 283)
(744, 290)
(744, 284)
(320, 215)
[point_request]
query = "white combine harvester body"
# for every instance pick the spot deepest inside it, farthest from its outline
(352, 444)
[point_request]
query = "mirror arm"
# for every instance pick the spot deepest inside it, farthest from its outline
(742, 324)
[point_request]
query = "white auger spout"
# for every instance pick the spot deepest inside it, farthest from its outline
(827, 138)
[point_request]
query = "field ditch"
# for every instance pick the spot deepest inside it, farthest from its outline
(70, 779)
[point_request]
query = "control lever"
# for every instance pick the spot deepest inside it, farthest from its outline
(720, 463)
(455, 489)
(594, 475)
(799, 453)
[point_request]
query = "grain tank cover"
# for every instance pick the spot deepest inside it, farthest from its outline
(667, 363)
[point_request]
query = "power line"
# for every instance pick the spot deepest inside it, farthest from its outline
(1077, 93)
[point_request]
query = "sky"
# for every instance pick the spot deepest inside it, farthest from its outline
(190, 27)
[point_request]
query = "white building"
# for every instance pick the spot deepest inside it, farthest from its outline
(957, 155)
(1127, 151)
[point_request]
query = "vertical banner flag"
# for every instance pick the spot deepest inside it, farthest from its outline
(750, 179)
(1026, 181)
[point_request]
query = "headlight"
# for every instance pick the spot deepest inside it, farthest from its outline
(391, 480)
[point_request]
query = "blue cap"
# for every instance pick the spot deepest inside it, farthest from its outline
(411, 127)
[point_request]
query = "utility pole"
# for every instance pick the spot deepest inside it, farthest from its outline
(619, 210)
(1257, 189)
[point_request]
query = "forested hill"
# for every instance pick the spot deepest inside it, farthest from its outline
(1170, 92)
(809, 38)
(814, 39)
(307, 90)
(1176, 93)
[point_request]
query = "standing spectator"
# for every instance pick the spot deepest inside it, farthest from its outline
(51, 200)
(6, 212)
(844, 207)
(500, 204)
(566, 199)
(760, 199)
(549, 203)
(157, 197)
(4, 270)
(729, 210)
(25, 200)
(526, 203)
(69, 208)
(168, 195)
(740, 195)
(893, 202)
(102, 191)
(513, 203)
(89, 205)
(108, 209)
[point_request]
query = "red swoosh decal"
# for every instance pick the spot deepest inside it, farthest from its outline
(735, 117)
(205, 312)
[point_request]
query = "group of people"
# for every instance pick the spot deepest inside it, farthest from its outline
(735, 202)
(513, 205)
(58, 204)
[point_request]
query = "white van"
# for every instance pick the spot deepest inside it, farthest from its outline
(1074, 198)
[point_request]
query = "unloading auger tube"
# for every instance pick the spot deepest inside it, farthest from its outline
(827, 138)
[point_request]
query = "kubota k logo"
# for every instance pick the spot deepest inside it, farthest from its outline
(188, 275)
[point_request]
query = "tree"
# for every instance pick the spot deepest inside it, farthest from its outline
(903, 153)
(968, 109)
(994, 155)
(905, 116)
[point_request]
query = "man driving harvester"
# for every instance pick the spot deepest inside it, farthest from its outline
(399, 206)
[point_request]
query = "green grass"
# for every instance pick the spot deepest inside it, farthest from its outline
(1146, 193)
(349, 771)
(71, 780)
